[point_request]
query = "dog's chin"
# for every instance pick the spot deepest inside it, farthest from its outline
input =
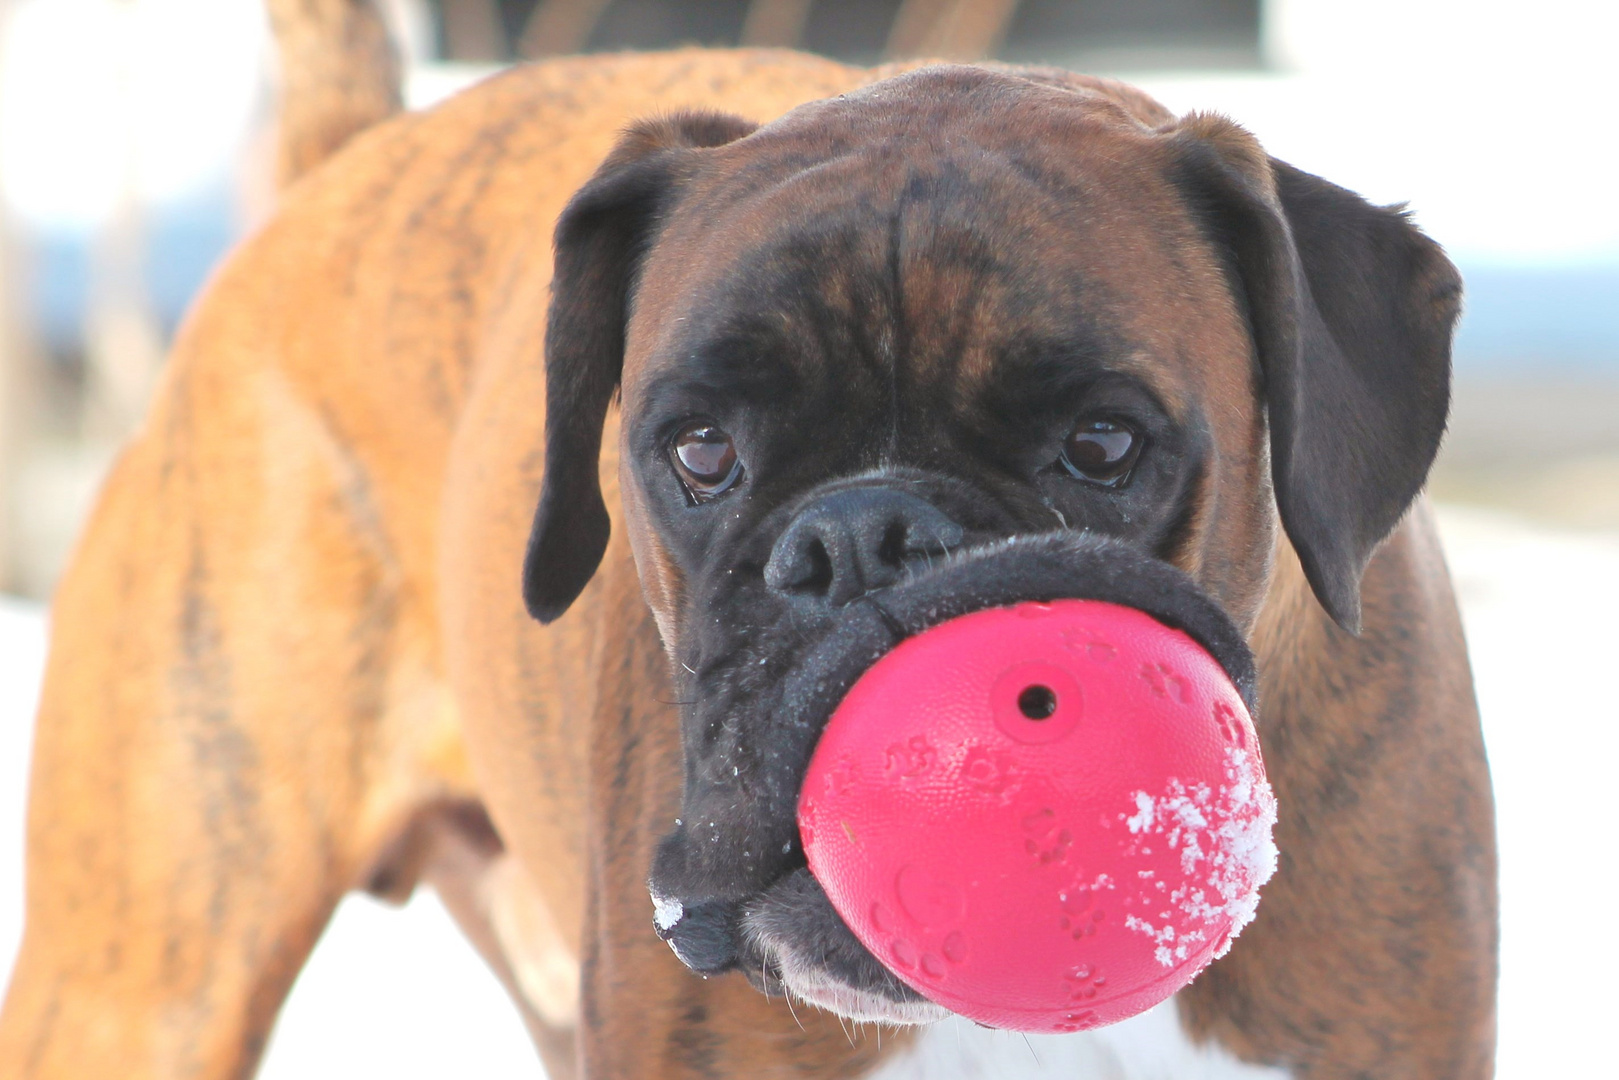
(808, 982)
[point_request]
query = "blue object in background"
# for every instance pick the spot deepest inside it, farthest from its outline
(183, 242)
(58, 287)
(1521, 318)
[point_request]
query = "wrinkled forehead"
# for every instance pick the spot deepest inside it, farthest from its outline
(938, 246)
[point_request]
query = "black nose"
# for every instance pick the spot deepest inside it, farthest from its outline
(853, 541)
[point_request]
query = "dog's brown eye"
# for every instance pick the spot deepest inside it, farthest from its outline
(1102, 451)
(705, 457)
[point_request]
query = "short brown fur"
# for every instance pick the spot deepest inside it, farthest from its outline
(293, 634)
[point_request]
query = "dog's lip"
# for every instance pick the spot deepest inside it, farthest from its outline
(839, 998)
(820, 989)
(771, 932)
(937, 593)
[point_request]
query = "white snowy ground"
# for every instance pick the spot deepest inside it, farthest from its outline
(395, 993)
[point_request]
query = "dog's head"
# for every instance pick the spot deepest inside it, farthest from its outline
(954, 341)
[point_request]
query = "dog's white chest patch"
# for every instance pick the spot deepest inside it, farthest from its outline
(1152, 1046)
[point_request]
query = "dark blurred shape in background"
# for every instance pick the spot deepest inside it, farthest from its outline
(1155, 33)
(136, 145)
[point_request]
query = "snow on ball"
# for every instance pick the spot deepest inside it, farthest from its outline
(1046, 817)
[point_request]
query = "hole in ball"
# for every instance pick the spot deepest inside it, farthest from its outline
(1037, 702)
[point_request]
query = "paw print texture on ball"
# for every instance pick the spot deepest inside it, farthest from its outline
(1014, 809)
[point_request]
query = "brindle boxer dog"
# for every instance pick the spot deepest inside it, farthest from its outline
(952, 338)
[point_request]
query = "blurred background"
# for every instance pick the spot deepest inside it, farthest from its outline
(136, 146)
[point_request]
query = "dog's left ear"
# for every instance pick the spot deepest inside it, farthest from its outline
(603, 232)
(1351, 309)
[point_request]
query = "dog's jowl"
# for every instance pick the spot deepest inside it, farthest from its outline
(524, 497)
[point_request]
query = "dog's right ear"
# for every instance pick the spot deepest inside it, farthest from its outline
(1351, 310)
(600, 238)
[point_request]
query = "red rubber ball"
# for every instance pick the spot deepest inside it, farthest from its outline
(1046, 817)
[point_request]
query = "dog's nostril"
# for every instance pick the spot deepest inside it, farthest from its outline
(1037, 702)
(895, 544)
(815, 569)
(803, 564)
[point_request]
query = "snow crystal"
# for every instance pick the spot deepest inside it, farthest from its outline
(1224, 840)
(666, 912)
(1142, 819)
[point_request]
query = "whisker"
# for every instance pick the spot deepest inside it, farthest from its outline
(791, 1010)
